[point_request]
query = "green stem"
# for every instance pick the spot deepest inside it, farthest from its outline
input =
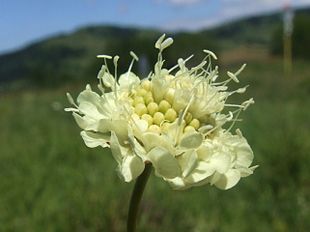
(136, 198)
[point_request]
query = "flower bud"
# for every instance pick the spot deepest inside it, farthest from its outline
(169, 96)
(148, 100)
(188, 129)
(140, 109)
(158, 118)
(146, 84)
(195, 123)
(152, 107)
(138, 100)
(188, 117)
(164, 106)
(165, 126)
(154, 128)
(148, 97)
(141, 92)
(170, 115)
(147, 118)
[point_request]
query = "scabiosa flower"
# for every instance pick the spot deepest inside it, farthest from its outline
(177, 119)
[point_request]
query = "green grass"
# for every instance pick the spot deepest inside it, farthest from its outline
(49, 180)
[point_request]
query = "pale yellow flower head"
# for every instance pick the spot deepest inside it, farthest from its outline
(176, 119)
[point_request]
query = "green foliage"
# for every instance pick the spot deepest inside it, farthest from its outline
(254, 30)
(50, 181)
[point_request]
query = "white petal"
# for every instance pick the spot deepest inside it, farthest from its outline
(221, 162)
(132, 167)
(136, 146)
(191, 140)
(82, 123)
(118, 126)
(88, 96)
(173, 132)
(188, 162)
(142, 125)
(151, 140)
(92, 139)
(164, 163)
(228, 180)
(177, 183)
(108, 80)
(117, 150)
(128, 80)
(244, 155)
(201, 172)
(244, 172)
(205, 151)
(90, 109)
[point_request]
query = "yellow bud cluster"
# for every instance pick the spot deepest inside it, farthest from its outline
(158, 115)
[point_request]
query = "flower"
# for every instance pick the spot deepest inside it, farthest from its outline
(173, 119)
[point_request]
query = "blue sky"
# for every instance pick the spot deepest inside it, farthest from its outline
(24, 21)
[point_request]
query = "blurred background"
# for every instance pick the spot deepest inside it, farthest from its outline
(50, 181)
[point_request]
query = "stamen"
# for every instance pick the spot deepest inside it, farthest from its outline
(240, 70)
(177, 65)
(210, 53)
(233, 77)
(134, 55)
(235, 120)
(166, 43)
(115, 60)
(159, 41)
(71, 101)
(105, 57)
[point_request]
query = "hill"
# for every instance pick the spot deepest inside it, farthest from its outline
(67, 57)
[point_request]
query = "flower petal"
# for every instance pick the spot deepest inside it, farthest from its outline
(92, 139)
(164, 163)
(137, 148)
(188, 162)
(244, 155)
(128, 80)
(228, 180)
(118, 126)
(89, 102)
(201, 172)
(131, 167)
(177, 183)
(107, 79)
(191, 140)
(151, 140)
(221, 162)
(82, 123)
(117, 150)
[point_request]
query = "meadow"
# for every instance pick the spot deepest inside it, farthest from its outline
(50, 181)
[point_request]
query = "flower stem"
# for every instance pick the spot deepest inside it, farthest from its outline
(136, 198)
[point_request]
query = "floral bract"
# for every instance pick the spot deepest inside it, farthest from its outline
(173, 119)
